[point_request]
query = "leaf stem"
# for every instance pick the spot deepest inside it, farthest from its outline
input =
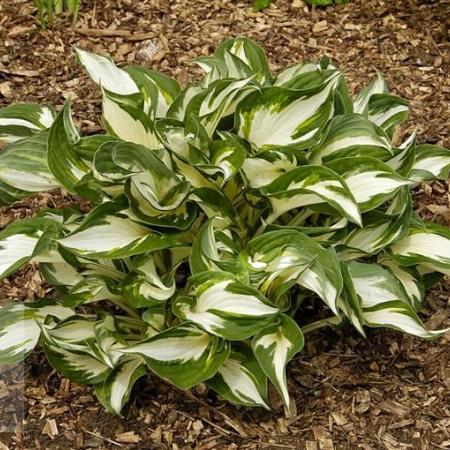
(321, 324)
(300, 217)
(129, 309)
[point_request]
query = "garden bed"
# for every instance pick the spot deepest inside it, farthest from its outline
(387, 392)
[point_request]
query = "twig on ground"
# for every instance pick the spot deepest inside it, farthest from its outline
(103, 438)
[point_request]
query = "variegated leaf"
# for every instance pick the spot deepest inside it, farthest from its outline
(24, 240)
(19, 327)
(178, 108)
(115, 390)
(240, 379)
(23, 120)
(224, 306)
(83, 347)
(377, 86)
(267, 166)
(431, 162)
(370, 181)
(311, 186)
(124, 120)
(24, 169)
(387, 111)
(350, 303)
(292, 72)
(351, 135)
(155, 319)
(410, 280)
(63, 161)
(144, 285)
(60, 274)
(384, 301)
(159, 90)
(278, 116)
(108, 233)
(274, 346)
(184, 355)
(106, 74)
(226, 157)
(403, 160)
(427, 244)
(218, 101)
(74, 361)
(204, 253)
(216, 205)
(90, 289)
(379, 230)
(236, 58)
(286, 257)
(109, 340)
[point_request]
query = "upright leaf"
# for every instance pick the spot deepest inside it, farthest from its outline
(115, 391)
(106, 74)
(274, 346)
(240, 379)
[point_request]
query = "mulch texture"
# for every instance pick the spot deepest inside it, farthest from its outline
(390, 391)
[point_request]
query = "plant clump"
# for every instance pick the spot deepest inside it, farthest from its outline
(218, 209)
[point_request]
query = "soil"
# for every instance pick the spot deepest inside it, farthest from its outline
(389, 391)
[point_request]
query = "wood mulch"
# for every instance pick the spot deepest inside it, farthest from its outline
(389, 391)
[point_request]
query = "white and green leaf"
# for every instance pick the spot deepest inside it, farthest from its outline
(23, 121)
(185, 355)
(19, 327)
(106, 74)
(431, 162)
(278, 116)
(107, 233)
(124, 120)
(274, 346)
(371, 182)
(311, 186)
(115, 390)
(351, 135)
(144, 285)
(286, 257)
(427, 244)
(240, 379)
(224, 306)
(24, 169)
(377, 86)
(385, 302)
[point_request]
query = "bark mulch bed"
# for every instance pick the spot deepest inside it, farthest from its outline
(390, 391)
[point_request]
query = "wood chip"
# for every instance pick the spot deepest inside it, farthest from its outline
(50, 428)
(318, 27)
(128, 437)
(311, 445)
(394, 408)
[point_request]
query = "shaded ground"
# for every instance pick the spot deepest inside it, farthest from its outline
(387, 392)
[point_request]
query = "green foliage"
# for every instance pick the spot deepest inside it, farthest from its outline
(48, 8)
(217, 210)
(258, 5)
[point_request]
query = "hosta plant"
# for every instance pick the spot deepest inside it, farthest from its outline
(218, 209)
